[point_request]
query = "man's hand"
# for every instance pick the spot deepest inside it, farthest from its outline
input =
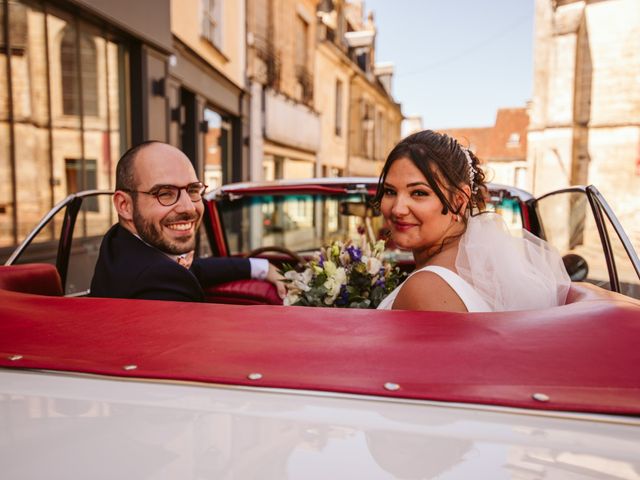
(274, 277)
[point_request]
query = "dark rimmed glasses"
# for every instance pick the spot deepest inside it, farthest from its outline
(168, 195)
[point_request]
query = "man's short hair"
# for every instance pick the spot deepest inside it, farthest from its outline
(125, 178)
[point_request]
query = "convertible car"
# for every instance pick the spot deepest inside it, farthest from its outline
(243, 387)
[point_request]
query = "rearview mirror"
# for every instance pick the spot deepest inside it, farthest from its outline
(358, 209)
(577, 267)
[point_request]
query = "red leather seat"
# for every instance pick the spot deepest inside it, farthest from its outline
(244, 292)
(36, 278)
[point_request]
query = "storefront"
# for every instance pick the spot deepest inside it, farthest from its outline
(209, 114)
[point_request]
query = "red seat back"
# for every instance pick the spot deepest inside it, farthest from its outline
(244, 292)
(36, 278)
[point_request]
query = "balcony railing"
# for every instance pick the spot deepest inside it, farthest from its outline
(305, 80)
(267, 66)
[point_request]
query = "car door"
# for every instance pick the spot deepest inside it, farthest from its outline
(69, 237)
(579, 222)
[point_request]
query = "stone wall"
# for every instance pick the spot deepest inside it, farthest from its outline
(585, 112)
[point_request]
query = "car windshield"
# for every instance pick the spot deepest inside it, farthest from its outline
(304, 222)
(299, 222)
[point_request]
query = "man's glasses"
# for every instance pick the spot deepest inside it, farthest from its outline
(168, 195)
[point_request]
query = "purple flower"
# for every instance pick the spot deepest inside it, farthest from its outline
(355, 253)
(343, 296)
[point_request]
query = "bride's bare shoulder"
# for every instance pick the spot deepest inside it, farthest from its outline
(428, 291)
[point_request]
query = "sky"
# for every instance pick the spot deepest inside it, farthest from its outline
(456, 61)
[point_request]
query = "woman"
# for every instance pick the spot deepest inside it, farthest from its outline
(431, 193)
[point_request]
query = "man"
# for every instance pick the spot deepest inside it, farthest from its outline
(148, 254)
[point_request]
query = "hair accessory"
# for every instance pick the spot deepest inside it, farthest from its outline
(472, 170)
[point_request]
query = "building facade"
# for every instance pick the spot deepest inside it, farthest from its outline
(249, 90)
(76, 90)
(360, 120)
(206, 97)
(585, 112)
(285, 126)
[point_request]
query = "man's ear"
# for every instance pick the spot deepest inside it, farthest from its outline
(123, 203)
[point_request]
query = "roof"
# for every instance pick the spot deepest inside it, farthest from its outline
(581, 356)
(506, 140)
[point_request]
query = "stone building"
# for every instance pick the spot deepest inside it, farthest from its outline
(585, 111)
(360, 120)
(77, 83)
(82, 81)
(285, 126)
(205, 95)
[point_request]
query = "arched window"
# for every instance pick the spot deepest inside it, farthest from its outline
(70, 69)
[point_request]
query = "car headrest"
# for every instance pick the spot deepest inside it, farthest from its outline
(35, 278)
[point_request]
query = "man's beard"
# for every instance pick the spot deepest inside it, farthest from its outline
(152, 235)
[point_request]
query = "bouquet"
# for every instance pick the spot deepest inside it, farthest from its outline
(343, 275)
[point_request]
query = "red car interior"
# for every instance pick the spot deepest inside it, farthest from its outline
(38, 278)
(581, 356)
(244, 292)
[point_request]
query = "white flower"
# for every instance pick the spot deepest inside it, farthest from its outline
(378, 248)
(299, 282)
(330, 268)
(334, 284)
(290, 299)
(373, 265)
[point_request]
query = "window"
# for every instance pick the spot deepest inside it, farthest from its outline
(379, 136)
(303, 75)
(212, 21)
(82, 177)
(69, 71)
(302, 35)
(338, 117)
(514, 140)
(18, 29)
(218, 160)
(68, 85)
(367, 129)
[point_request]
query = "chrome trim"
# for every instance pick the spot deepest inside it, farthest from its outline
(578, 416)
(573, 189)
(81, 293)
(633, 256)
(56, 208)
(359, 183)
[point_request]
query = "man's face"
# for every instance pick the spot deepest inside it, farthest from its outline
(170, 229)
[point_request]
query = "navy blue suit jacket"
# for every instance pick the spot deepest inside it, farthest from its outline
(129, 268)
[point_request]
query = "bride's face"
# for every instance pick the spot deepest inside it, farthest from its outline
(412, 209)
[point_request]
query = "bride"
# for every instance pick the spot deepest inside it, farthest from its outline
(431, 193)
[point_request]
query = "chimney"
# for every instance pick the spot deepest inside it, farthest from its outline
(384, 73)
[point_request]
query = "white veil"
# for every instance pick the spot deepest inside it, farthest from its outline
(510, 272)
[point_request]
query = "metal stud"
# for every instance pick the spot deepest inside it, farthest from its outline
(392, 387)
(540, 397)
(14, 358)
(130, 367)
(254, 376)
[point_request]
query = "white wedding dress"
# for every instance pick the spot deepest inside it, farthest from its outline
(499, 272)
(471, 299)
